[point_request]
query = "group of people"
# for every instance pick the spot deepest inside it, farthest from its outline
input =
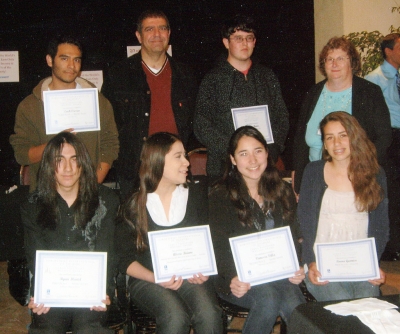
(342, 137)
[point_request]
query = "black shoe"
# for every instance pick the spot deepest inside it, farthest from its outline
(390, 256)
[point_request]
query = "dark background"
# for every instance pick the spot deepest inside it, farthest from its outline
(285, 43)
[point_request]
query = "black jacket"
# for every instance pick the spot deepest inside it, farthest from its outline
(126, 87)
(368, 107)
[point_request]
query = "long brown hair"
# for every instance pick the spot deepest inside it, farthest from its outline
(151, 171)
(363, 167)
(270, 187)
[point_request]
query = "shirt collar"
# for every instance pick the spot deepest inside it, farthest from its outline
(388, 69)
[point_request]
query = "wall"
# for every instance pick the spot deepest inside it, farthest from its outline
(341, 17)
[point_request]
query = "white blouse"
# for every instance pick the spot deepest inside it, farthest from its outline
(339, 219)
(177, 209)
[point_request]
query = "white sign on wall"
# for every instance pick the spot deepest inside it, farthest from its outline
(9, 66)
(131, 50)
(95, 77)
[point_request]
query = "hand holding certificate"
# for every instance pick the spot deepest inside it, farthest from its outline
(70, 279)
(347, 261)
(265, 256)
(182, 252)
(71, 108)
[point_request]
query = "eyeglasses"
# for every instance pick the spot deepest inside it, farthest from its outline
(338, 60)
(240, 39)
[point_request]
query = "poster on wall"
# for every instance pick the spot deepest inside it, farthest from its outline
(9, 66)
(95, 77)
(131, 50)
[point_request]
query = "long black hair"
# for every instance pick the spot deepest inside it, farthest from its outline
(87, 200)
(270, 187)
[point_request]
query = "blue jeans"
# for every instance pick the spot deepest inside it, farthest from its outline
(341, 290)
(265, 302)
(176, 311)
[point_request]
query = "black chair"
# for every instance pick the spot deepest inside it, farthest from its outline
(141, 323)
(231, 311)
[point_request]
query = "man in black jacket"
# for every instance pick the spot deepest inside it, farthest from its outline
(150, 92)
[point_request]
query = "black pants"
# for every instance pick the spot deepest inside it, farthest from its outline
(60, 320)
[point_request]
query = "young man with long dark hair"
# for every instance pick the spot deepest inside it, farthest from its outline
(69, 211)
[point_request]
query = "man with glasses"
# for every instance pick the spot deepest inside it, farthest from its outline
(234, 83)
(150, 92)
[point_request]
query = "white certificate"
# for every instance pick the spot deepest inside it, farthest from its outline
(265, 256)
(257, 117)
(71, 108)
(70, 279)
(182, 252)
(347, 261)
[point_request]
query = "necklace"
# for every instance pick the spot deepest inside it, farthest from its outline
(333, 99)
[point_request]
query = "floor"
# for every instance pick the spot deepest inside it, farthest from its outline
(14, 317)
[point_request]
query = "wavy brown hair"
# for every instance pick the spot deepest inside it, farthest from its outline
(346, 46)
(151, 171)
(363, 167)
(271, 187)
(87, 200)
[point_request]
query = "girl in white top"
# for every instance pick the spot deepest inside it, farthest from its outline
(343, 198)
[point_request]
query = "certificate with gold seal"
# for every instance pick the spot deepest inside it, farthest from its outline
(70, 279)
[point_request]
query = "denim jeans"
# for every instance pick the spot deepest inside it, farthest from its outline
(61, 320)
(176, 311)
(265, 302)
(341, 290)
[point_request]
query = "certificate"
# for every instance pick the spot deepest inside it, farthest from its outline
(71, 108)
(70, 279)
(182, 252)
(347, 261)
(265, 256)
(257, 117)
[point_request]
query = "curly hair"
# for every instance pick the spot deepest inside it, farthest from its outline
(363, 167)
(87, 200)
(346, 46)
(151, 171)
(270, 187)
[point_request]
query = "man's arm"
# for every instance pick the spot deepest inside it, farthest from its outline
(109, 143)
(278, 112)
(35, 153)
(102, 171)
(29, 139)
(206, 109)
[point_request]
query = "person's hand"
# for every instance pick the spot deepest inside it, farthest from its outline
(380, 280)
(69, 130)
(173, 284)
(298, 276)
(295, 194)
(238, 288)
(198, 279)
(37, 308)
(313, 274)
(107, 301)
